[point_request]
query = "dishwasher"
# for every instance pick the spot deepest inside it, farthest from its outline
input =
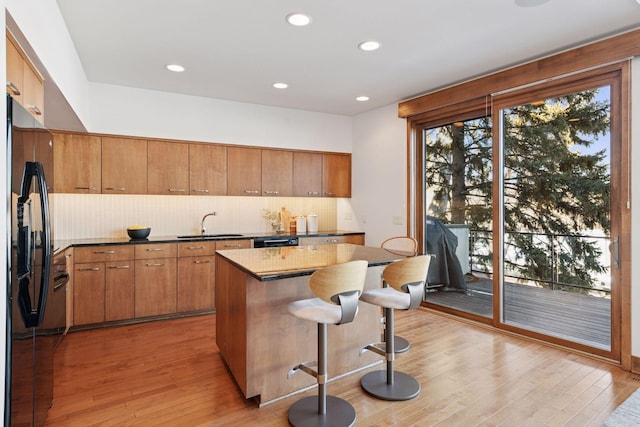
(275, 241)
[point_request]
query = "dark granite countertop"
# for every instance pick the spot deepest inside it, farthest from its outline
(267, 264)
(60, 245)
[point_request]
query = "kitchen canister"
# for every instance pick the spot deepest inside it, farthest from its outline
(312, 223)
(301, 224)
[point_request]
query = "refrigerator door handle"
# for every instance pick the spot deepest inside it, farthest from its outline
(33, 317)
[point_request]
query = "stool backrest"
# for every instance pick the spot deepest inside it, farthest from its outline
(328, 282)
(401, 244)
(409, 270)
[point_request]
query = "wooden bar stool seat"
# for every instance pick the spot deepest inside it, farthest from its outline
(405, 282)
(407, 246)
(337, 289)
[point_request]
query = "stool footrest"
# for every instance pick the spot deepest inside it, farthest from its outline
(377, 348)
(306, 367)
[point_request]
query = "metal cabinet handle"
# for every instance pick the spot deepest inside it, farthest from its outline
(155, 265)
(195, 190)
(251, 192)
(329, 193)
(13, 88)
(86, 188)
(202, 261)
(232, 246)
(155, 249)
(176, 190)
(34, 109)
(116, 188)
(332, 240)
(118, 266)
(89, 269)
(104, 252)
(270, 192)
(312, 193)
(193, 248)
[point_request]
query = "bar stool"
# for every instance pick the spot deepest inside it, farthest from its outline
(407, 246)
(405, 280)
(337, 289)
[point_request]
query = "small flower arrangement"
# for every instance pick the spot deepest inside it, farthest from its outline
(269, 215)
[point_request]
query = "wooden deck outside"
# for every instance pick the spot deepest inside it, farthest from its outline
(581, 318)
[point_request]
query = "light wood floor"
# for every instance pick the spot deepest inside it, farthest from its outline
(169, 373)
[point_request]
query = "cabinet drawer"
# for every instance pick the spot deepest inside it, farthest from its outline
(196, 248)
(103, 253)
(233, 244)
(162, 250)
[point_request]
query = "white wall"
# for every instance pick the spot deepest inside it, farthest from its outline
(379, 174)
(141, 112)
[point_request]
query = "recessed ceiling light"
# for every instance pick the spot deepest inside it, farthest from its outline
(280, 85)
(369, 45)
(362, 98)
(298, 19)
(175, 68)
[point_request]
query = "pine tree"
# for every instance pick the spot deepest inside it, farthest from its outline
(556, 186)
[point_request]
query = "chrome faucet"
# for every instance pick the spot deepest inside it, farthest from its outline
(202, 229)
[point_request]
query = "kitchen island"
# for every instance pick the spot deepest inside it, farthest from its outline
(257, 337)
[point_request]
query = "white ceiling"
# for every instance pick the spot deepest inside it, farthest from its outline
(236, 49)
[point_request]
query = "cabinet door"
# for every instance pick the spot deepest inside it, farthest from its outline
(336, 175)
(119, 290)
(15, 70)
(155, 286)
(207, 170)
(277, 173)
(307, 174)
(33, 96)
(167, 167)
(196, 278)
(124, 166)
(76, 160)
(88, 293)
(244, 171)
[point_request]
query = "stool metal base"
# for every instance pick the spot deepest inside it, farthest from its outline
(304, 413)
(404, 387)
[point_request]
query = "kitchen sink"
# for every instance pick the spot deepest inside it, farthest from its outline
(207, 236)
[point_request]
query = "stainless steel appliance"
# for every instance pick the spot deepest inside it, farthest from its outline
(34, 326)
(275, 241)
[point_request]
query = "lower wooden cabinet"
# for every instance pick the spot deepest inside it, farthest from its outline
(155, 287)
(196, 276)
(119, 290)
(155, 279)
(88, 293)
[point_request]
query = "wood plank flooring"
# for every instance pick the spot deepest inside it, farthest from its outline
(169, 373)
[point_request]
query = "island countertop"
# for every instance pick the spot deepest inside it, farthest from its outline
(265, 264)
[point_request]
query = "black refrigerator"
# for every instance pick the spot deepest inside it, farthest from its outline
(35, 296)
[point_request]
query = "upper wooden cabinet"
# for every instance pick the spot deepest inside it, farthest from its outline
(277, 173)
(24, 84)
(336, 175)
(86, 163)
(124, 166)
(167, 168)
(244, 171)
(77, 163)
(207, 170)
(15, 70)
(307, 174)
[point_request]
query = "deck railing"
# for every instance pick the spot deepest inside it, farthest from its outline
(481, 247)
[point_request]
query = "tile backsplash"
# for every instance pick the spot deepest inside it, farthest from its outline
(80, 216)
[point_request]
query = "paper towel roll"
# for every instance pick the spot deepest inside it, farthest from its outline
(312, 224)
